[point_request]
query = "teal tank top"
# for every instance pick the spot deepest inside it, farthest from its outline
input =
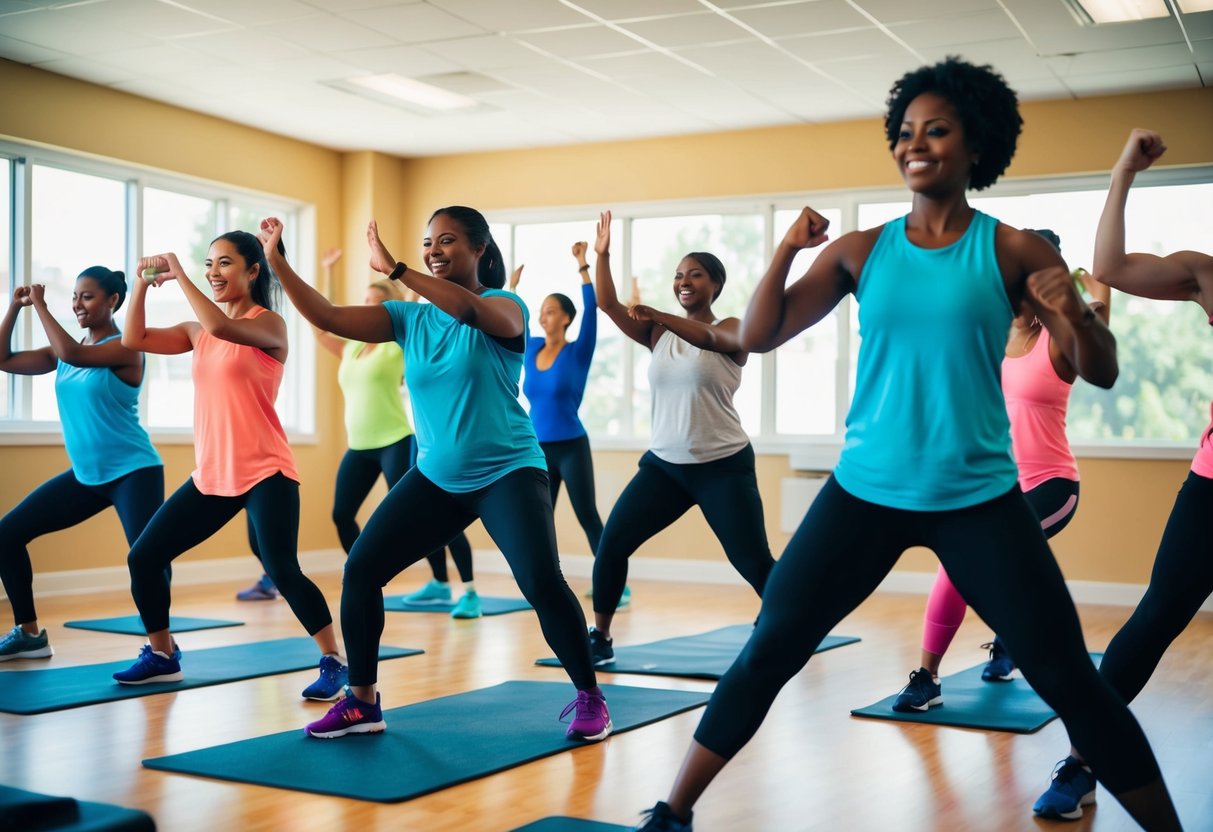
(928, 428)
(100, 417)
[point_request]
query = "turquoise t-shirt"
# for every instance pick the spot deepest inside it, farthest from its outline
(928, 427)
(100, 417)
(463, 384)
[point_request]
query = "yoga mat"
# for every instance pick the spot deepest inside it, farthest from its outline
(968, 702)
(132, 625)
(703, 656)
(428, 746)
(22, 811)
(567, 824)
(489, 605)
(57, 688)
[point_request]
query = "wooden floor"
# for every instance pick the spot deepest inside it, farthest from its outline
(812, 766)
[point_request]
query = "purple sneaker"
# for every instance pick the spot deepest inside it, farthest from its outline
(591, 719)
(263, 590)
(151, 667)
(349, 716)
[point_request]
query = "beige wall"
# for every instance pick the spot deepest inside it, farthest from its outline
(1062, 137)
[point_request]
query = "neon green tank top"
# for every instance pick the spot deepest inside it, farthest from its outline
(374, 409)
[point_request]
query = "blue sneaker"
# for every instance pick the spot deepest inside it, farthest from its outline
(333, 677)
(661, 818)
(1072, 788)
(1000, 667)
(263, 590)
(18, 644)
(151, 667)
(923, 693)
(434, 592)
(468, 606)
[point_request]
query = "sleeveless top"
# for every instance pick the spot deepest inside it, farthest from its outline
(928, 428)
(100, 417)
(1037, 399)
(463, 384)
(692, 403)
(238, 438)
(370, 383)
(1202, 463)
(555, 393)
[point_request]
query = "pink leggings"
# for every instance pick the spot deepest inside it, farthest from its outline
(1054, 502)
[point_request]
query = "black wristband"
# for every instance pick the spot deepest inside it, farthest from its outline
(398, 272)
(584, 268)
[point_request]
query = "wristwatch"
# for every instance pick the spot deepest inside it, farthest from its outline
(398, 272)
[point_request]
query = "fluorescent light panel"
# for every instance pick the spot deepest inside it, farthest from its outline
(1194, 6)
(413, 92)
(1119, 11)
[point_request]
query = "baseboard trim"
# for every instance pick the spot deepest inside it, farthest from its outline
(491, 561)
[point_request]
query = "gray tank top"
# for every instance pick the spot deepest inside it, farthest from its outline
(692, 393)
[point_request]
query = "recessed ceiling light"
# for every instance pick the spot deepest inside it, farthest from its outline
(412, 91)
(1094, 12)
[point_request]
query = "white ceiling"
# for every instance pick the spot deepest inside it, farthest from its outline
(551, 72)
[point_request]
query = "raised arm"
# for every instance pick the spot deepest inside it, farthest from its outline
(327, 340)
(265, 332)
(138, 336)
(497, 316)
(1101, 294)
(776, 313)
(68, 349)
(723, 337)
(587, 336)
(26, 362)
(370, 324)
(639, 331)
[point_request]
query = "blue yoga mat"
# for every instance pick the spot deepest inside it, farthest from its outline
(22, 810)
(489, 605)
(132, 625)
(428, 746)
(968, 702)
(567, 824)
(57, 688)
(703, 656)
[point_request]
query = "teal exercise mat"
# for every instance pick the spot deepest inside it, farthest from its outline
(567, 824)
(428, 746)
(58, 688)
(132, 625)
(489, 605)
(22, 811)
(703, 656)
(968, 702)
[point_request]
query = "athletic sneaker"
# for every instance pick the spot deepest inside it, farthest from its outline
(601, 651)
(333, 677)
(922, 693)
(151, 666)
(591, 719)
(1000, 666)
(18, 644)
(661, 818)
(434, 592)
(1072, 788)
(263, 590)
(349, 716)
(468, 605)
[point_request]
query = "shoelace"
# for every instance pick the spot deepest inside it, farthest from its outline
(589, 704)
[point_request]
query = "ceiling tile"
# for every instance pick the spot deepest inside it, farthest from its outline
(249, 47)
(971, 28)
(647, 66)
(638, 9)
(26, 53)
(1199, 26)
(245, 13)
(327, 33)
(79, 30)
(485, 53)
(900, 11)
(688, 30)
(1040, 89)
(338, 6)
(1202, 50)
(872, 42)
(87, 69)
(418, 23)
(1012, 57)
(1135, 81)
(161, 60)
(581, 42)
(409, 61)
(804, 18)
(514, 15)
(1054, 31)
(1121, 60)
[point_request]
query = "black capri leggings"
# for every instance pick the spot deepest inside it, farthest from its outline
(570, 462)
(726, 491)
(356, 477)
(60, 503)
(1180, 582)
(417, 516)
(189, 517)
(845, 546)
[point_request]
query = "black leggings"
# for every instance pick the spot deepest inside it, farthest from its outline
(417, 515)
(996, 555)
(60, 503)
(189, 517)
(726, 491)
(1180, 582)
(356, 477)
(569, 461)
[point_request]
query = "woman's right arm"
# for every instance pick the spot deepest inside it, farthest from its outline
(25, 362)
(777, 313)
(587, 336)
(172, 340)
(639, 331)
(328, 340)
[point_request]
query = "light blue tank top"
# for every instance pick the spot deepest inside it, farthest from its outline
(928, 427)
(471, 428)
(100, 417)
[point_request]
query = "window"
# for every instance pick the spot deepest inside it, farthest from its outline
(6, 256)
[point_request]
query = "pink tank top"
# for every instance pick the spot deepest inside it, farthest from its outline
(1202, 463)
(238, 438)
(1037, 399)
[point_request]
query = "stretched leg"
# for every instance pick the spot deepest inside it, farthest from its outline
(1014, 572)
(577, 468)
(356, 476)
(461, 553)
(839, 554)
(551, 453)
(650, 503)
(727, 493)
(944, 615)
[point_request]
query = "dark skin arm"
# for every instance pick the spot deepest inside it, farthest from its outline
(643, 332)
(25, 362)
(126, 363)
(172, 340)
(723, 337)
